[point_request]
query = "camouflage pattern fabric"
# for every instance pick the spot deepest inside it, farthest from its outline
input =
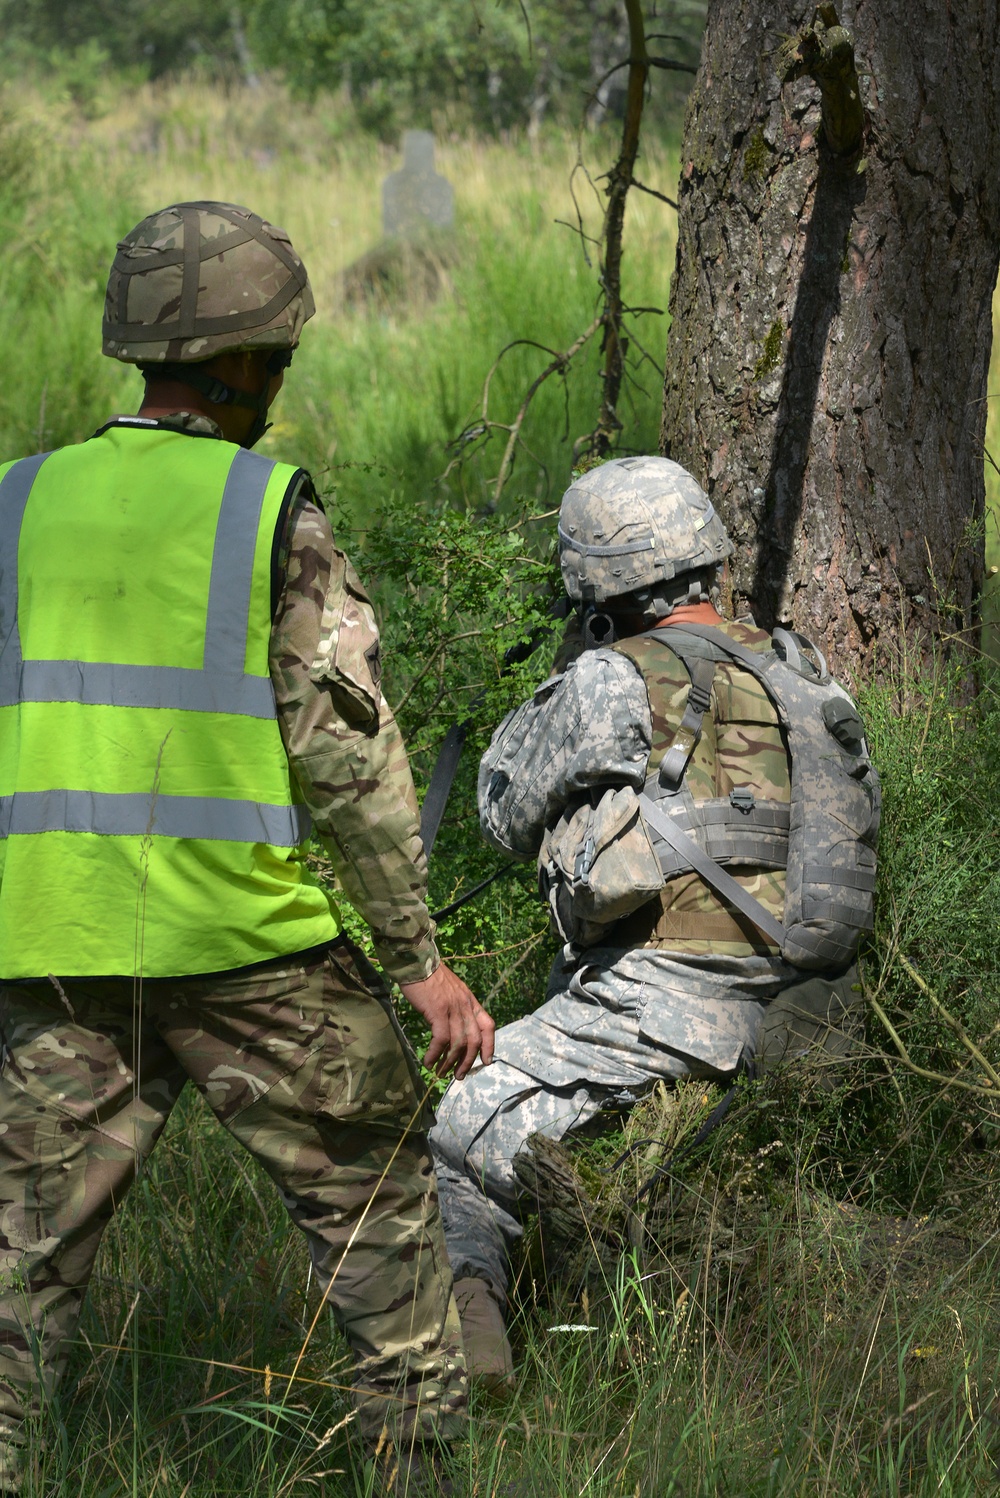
(631, 523)
(303, 1062)
(650, 1005)
(611, 1027)
(345, 746)
(603, 723)
(741, 745)
(196, 279)
(583, 730)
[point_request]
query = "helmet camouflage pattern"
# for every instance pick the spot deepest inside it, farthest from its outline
(199, 279)
(631, 524)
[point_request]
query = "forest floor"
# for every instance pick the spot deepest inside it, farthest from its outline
(808, 1304)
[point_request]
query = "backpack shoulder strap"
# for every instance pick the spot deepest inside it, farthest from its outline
(699, 663)
(675, 762)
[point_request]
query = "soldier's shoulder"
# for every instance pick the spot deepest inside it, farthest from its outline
(653, 658)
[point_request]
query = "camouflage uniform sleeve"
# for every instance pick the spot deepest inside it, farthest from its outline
(586, 729)
(344, 745)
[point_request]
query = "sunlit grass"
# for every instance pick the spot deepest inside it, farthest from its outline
(389, 387)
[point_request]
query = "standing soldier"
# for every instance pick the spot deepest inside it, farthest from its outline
(189, 680)
(673, 966)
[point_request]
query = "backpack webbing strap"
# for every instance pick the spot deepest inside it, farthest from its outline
(754, 660)
(675, 761)
(723, 884)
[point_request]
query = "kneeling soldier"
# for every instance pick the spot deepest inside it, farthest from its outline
(653, 780)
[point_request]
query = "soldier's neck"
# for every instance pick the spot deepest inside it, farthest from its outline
(692, 613)
(165, 397)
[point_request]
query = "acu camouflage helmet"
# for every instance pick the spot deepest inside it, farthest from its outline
(199, 279)
(629, 527)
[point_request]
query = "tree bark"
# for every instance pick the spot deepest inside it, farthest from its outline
(827, 359)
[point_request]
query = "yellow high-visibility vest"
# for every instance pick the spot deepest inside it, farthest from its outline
(149, 820)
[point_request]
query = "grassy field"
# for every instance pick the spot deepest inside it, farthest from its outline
(811, 1307)
(390, 386)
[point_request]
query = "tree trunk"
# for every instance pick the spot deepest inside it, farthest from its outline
(827, 359)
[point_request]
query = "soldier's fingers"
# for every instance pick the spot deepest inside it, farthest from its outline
(471, 1040)
(438, 1049)
(449, 1042)
(487, 1030)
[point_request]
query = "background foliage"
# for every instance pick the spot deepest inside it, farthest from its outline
(401, 62)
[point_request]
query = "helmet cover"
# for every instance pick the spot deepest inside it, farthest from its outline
(199, 279)
(630, 524)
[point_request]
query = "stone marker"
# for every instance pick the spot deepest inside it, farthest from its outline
(417, 197)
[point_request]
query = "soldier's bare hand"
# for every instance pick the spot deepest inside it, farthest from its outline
(461, 1029)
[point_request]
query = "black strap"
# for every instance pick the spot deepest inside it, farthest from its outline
(442, 777)
(470, 894)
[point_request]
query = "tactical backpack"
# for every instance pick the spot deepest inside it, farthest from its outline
(825, 837)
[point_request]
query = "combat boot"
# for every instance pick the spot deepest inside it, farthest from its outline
(487, 1350)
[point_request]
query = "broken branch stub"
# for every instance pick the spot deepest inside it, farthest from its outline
(824, 52)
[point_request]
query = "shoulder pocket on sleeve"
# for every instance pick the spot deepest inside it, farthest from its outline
(348, 658)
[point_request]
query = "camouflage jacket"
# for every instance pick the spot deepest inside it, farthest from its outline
(607, 720)
(340, 735)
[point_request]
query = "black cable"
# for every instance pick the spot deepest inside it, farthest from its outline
(470, 894)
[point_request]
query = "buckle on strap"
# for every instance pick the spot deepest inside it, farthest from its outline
(699, 700)
(741, 798)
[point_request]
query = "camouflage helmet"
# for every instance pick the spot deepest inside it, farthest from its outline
(199, 279)
(629, 527)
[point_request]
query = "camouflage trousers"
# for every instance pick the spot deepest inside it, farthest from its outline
(610, 1028)
(304, 1063)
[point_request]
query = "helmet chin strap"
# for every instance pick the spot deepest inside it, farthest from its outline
(656, 603)
(221, 394)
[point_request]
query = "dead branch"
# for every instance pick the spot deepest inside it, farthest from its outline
(663, 199)
(486, 426)
(953, 1024)
(614, 311)
(615, 345)
(512, 969)
(825, 52)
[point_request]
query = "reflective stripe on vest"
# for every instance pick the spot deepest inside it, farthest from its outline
(132, 815)
(221, 686)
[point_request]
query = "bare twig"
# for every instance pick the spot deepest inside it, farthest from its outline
(615, 346)
(670, 65)
(663, 199)
(510, 971)
(560, 361)
(979, 1088)
(558, 366)
(952, 1023)
(609, 245)
(432, 659)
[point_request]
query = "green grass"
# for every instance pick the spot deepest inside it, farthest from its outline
(790, 1344)
(794, 1341)
(389, 387)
